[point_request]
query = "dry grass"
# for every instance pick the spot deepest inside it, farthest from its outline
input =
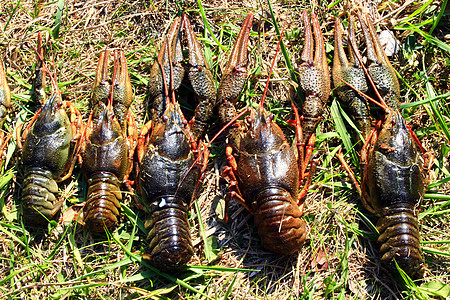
(67, 262)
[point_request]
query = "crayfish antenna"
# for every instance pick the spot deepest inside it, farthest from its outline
(39, 53)
(263, 98)
(116, 67)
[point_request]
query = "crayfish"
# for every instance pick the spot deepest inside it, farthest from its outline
(108, 143)
(264, 171)
(395, 165)
(48, 154)
(171, 160)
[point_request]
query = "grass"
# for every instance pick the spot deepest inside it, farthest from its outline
(340, 257)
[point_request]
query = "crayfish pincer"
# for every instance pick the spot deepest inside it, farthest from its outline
(395, 164)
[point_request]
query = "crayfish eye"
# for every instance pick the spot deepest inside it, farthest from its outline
(271, 117)
(249, 120)
(59, 104)
(165, 118)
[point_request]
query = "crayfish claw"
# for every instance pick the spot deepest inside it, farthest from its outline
(319, 56)
(202, 82)
(313, 77)
(167, 72)
(235, 72)
(350, 72)
(39, 74)
(122, 90)
(101, 89)
(238, 56)
(380, 69)
(200, 74)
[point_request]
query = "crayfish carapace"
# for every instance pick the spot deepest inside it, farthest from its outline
(168, 147)
(394, 163)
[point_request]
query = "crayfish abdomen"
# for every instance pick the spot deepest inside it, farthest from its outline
(278, 219)
(103, 201)
(400, 238)
(169, 236)
(38, 196)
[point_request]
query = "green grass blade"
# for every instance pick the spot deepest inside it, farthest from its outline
(156, 271)
(205, 21)
(431, 39)
(282, 46)
(336, 113)
(208, 250)
(417, 11)
(425, 101)
(12, 14)
(55, 31)
(436, 110)
(438, 19)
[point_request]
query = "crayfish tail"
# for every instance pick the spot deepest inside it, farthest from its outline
(400, 240)
(38, 197)
(103, 201)
(279, 222)
(170, 245)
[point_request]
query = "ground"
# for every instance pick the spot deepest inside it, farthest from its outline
(340, 256)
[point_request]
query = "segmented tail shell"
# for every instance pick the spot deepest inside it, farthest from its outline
(103, 201)
(169, 238)
(279, 222)
(400, 239)
(38, 196)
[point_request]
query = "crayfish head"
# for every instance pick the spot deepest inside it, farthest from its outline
(263, 134)
(52, 117)
(171, 136)
(105, 126)
(395, 139)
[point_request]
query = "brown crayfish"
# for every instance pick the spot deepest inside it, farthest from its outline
(265, 172)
